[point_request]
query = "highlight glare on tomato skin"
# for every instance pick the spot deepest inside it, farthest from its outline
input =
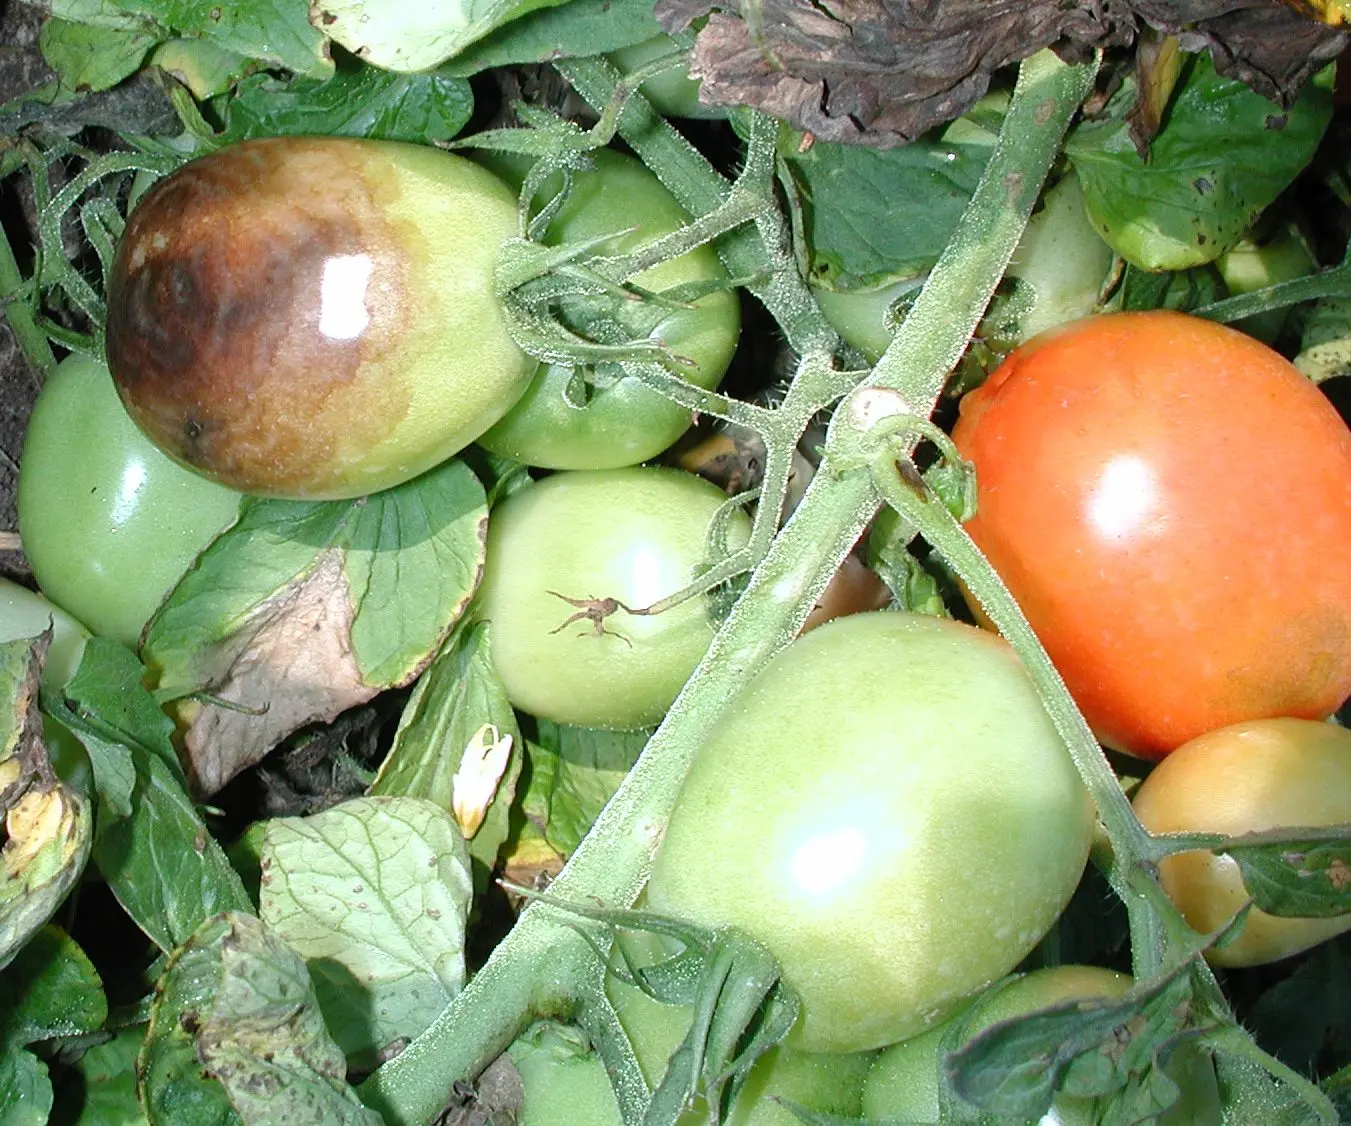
(1168, 500)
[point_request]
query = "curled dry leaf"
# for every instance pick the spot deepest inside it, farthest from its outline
(882, 72)
(289, 665)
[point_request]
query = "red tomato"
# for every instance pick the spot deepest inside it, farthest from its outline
(1170, 502)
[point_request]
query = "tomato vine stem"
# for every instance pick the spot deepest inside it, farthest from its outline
(543, 955)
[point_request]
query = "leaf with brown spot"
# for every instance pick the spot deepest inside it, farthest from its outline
(302, 610)
(48, 826)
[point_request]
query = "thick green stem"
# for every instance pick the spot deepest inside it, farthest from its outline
(611, 864)
(1335, 282)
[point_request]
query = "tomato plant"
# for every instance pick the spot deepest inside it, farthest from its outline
(315, 317)
(905, 1081)
(26, 614)
(559, 551)
(862, 776)
(561, 1079)
(109, 523)
(624, 422)
(1264, 774)
(1162, 494)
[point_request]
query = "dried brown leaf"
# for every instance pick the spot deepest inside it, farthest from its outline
(289, 665)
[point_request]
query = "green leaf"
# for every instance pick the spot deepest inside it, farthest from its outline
(273, 31)
(573, 772)
(1183, 290)
(47, 825)
(453, 700)
(50, 990)
(411, 35)
(1302, 1014)
(874, 215)
(1223, 155)
(245, 1000)
(204, 68)
(108, 1083)
(158, 859)
(1304, 879)
(25, 1090)
(374, 894)
(1090, 1049)
(578, 27)
(360, 101)
(93, 58)
(302, 610)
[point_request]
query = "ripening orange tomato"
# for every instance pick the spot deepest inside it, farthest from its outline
(1170, 502)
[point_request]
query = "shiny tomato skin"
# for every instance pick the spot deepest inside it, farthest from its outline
(887, 808)
(1265, 774)
(1166, 498)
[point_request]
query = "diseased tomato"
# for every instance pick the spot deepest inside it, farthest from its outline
(624, 422)
(888, 809)
(109, 523)
(905, 1082)
(1170, 502)
(1265, 774)
(558, 550)
(315, 317)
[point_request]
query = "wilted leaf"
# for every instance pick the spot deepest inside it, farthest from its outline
(302, 610)
(48, 826)
(1325, 344)
(204, 68)
(374, 894)
(456, 697)
(244, 999)
(883, 72)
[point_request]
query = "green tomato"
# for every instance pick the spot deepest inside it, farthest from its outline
(860, 315)
(826, 1084)
(563, 1080)
(673, 93)
(26, 614)
(109, 523)
(625, 422)
(315, 317)
(889, 810)
(905, 1080)
(563, 545)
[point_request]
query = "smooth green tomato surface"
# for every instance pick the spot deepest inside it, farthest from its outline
(109, 523)
(673, 93)
(623, 422)
(563, 1080)
(633, 535)
(889, 810)
(906, 1081)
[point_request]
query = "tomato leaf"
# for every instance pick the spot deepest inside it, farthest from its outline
(107, 1084)
(358, 101)
(1299, 1016)
(1085, 1048)
(1223, 154)
(25, 1089)
(50, 990)
(94, 58)
(374, 894)
(1183, 290)
(240, 1001)
(157, 856)
(47, 826)
(579, 27)
(873, 215)
(453, 700)
(302, 610)
(411, 35)
(1304, 879)
(573, 772)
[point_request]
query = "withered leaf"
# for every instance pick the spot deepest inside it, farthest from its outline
(882, 72)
